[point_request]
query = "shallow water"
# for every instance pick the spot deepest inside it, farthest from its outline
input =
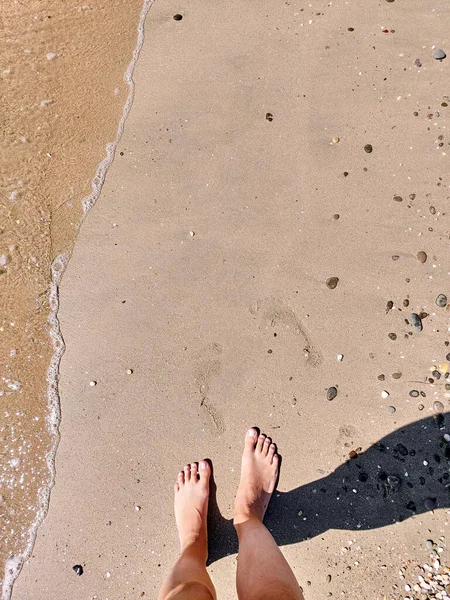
(66, 72)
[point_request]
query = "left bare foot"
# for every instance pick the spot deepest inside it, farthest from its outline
(191, 504)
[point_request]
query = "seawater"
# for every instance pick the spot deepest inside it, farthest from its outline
(19, 527)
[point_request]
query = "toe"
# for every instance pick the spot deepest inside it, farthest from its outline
(266, 446)
(275, 460)
(205, 471)
(250, 440)
(272, 450)
(180, 480)
(187, 473)
(176, 487)
(260, 443)
(194, 471)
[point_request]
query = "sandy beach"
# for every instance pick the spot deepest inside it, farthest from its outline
(276, 212)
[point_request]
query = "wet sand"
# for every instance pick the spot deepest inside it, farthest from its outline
(203, 268)
(63, 96)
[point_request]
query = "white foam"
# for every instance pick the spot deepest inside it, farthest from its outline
(14, 563)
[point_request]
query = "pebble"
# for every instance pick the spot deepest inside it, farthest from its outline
(430, 504)
(78, 569)
(385, 394)
(417, 62)
(415, 321)
(331, 393)
(328, 578)
(405, 302)
(422, 256)
(129, 371)
(448, 356)
(269, 117)
(393, 482)
(391, 409)
(420, 406)
(336, 217)
(429, 544)
(414, 393)
(389, 305)
(368, 148)
(392, 336)
(396, 375)
(438, 407)
(340, 357)
(381, 377)
(398, 199)
(332, 282)
(439, 54)
(92, 383)
(441, 300)
(335, 139)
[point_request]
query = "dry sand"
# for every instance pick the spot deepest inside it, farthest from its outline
(203, 269)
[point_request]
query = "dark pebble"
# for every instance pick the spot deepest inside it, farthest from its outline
(448, 356)
(332, 282)
(395, 257)
(441, 300)
(381, 377)
(417, 62)
(389, 305)
(396, 375)
(422, 256)
(392, 336)
(430, 504)
(78, 569)
(436, 374)
(368, 148)
(398, 198)
(331, 393)
(177, 17)
(405, 302)
(269, 117)
(414, 393)
(432, 210)
(415, 321)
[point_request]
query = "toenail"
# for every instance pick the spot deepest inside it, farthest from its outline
(251, 433)
(203, 465)
(193, 465)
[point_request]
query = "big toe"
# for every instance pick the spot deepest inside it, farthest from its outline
(204, 471)
(250, 440)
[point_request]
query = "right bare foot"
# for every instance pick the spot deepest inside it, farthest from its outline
(259, 472)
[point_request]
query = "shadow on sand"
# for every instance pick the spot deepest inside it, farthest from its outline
(404, 474)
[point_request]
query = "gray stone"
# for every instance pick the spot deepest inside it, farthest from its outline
(441, 300)
(415, 321)
(439, 54)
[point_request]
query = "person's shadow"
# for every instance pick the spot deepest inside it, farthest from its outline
(404, 474)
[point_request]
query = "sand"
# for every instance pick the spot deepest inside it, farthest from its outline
(203, 267)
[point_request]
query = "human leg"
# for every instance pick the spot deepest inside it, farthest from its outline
(189, 579)
(262, 573)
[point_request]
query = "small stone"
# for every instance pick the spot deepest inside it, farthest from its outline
(92, 383)
(389, 305)
(395, 257)
(381, 377)
(430, 503)
(269, 117)
(392, 336)
(391, 409)
(340, 357)
(438, 407)
(405, 302)
(336, 217)
(439, 54)
(448, 356)
(396, 375)
(328, 578)
(78, 569)
(393, 482)
(420, 406)
(441, 300)
(422, 256)
(432, 210)
(436, 374)
(417, 62)
(129, 371)
(385, 394)
(332, 282)
(335, 139)
(137, 508)
(414, 393)
(415, 321)
(429, 544)
(398, 199)
(368, 148)
(331, 393)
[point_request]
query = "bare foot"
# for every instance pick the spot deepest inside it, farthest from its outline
(191, 504)
(259, 472)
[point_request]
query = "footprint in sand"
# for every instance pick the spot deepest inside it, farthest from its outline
(209, 366)
(276, 313)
